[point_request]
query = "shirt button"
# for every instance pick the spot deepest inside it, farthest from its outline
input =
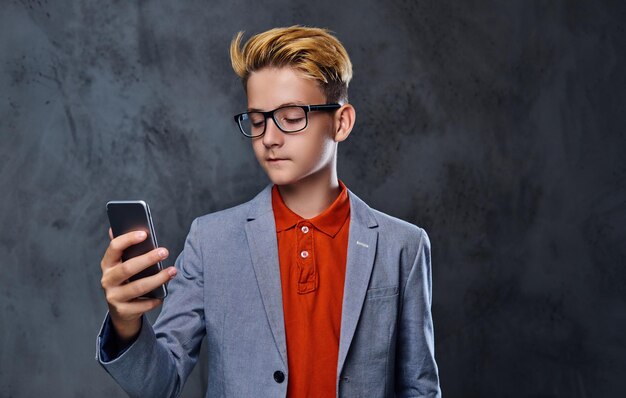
(304, 254)
(305, 229)
(279, 376)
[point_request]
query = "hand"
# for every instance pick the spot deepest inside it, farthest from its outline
(125, 308)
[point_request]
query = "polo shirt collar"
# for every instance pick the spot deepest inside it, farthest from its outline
(329, 221)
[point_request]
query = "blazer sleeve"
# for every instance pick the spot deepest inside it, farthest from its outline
(416, 369)
(159, 361)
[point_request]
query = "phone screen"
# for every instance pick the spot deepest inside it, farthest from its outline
(134, 215)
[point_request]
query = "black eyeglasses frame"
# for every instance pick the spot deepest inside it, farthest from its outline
(307, 108)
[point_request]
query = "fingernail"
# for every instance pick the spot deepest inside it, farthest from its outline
(162, 253)
(140, 234)
(171, 271)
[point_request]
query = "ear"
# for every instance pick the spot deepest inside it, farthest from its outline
(344, 122)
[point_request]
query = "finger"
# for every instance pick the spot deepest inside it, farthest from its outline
(139, 287)
(113, 254)
(110, 234)
(133, 308)
(121, 272)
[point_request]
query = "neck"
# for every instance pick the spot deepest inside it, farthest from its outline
(313, 194)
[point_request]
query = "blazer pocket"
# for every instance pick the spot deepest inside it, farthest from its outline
(379, 292)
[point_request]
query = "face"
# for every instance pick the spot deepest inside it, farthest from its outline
(302, 154)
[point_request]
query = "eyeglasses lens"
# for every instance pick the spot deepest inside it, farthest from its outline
(290, 119)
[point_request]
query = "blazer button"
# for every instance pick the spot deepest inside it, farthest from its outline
(279, 376)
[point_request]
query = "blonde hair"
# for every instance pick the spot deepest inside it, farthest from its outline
(314, 52)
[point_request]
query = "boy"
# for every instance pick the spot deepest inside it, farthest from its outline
(304, 291)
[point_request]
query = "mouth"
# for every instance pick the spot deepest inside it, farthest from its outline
(275, 160)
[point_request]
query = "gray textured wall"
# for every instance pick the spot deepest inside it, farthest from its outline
(497, 126)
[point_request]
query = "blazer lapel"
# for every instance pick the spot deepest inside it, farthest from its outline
(261, 234)
(362, 240)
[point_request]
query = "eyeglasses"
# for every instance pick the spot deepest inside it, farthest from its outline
(289, 119)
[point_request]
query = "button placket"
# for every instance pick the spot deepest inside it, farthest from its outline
(307, 281)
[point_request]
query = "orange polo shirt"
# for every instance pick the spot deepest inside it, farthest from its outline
(312, 255)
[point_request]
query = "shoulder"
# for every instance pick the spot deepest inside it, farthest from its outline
(224, 216)
(220, 227)
(386, 223)
(397, 225)
(240, 213)
(395, 231)
(394, 234)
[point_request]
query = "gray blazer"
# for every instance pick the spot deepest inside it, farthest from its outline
(228, 289)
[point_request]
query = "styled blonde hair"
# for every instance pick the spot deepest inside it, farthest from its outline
(314, 52)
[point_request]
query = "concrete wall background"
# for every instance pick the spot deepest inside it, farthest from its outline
(497, 126)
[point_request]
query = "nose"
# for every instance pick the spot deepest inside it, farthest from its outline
(272, 136)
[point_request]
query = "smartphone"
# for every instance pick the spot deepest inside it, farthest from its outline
(134, 215)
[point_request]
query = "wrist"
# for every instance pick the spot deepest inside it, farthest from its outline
(126, 330)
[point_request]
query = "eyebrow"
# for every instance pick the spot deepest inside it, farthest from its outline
(298, 103)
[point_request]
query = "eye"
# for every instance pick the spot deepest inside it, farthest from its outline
(292, 117)
(257, 120)
(294, 121)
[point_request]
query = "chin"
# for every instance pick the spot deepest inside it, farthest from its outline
(282, 178)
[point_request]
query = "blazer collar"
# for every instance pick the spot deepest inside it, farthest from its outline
(362, 242)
